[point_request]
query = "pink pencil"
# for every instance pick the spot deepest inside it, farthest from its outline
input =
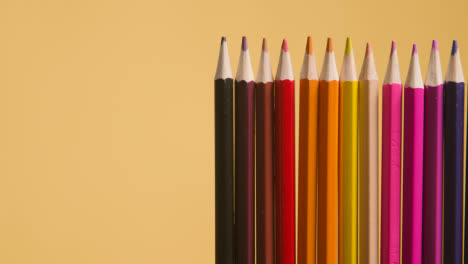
(391, 162)
(413, 163)
(433, 160)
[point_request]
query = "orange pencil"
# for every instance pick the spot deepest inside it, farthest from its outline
(307, 157)
(327, 250)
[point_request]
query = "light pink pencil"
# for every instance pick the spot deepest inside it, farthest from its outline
(391, 162)
(413, 163)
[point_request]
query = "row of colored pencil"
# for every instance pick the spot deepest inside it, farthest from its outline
(338, 190)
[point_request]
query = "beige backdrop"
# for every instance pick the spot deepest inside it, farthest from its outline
(106, 112)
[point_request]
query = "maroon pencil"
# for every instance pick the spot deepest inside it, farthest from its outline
(244, 159)
(264, 155)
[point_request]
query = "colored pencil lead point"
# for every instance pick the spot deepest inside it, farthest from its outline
(329, 45)
(348, 46)
(264, 45)
(415, 49)
(309, 45)
(223, 39)
(454, 47)
(435, 45)
(244, 43)
(393, 46)
(284, 46)
(368, 49)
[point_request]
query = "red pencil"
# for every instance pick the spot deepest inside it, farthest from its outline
(284, 159)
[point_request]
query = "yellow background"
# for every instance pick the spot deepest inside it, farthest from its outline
(106, 112)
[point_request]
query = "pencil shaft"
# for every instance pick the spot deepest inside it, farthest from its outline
(307, 171)
(348, 163)
(453, 171)
(284, 161)
(391, 173)
(413, 175)
(433, 174)
(368, 174)
(327, 248)
(264, 167)
(244, 173)
(224, 198)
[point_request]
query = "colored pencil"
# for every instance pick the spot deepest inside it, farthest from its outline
(264, 155)
(454, 97)
(433, 160)
(391, 162)
(413, 162)
(327, 232)
(224, 197)
(284, 159)
(308, 157)
(368, 161)
(244, 159)
(348, 163)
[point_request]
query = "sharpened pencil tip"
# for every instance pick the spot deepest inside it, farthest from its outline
(393, 46)
(415, 49)
(284, 46)
(244, 43)
(309, 45)
(223, 39)
(349, 47)
(454, 47)
(329, 45)
(368, 49)
(435, 45)
(264, 45)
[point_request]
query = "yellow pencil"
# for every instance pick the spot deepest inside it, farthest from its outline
(348, 154)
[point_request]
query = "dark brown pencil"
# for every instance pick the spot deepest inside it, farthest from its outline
(224, 196)
(244, 160)
(264, 155)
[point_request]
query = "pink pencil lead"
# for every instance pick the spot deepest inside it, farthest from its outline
(393, 46)
(285, 45)
(415, 49)
(368, 49)
(435, 45)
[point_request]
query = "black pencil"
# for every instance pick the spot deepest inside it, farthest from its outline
(224, 211)
(454, 104)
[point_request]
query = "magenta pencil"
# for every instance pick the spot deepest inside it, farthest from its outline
(413, 163)
(391, 162)
(433, 160)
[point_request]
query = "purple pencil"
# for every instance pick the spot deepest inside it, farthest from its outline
(433, 160)
(413, 163)
(244, 159)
